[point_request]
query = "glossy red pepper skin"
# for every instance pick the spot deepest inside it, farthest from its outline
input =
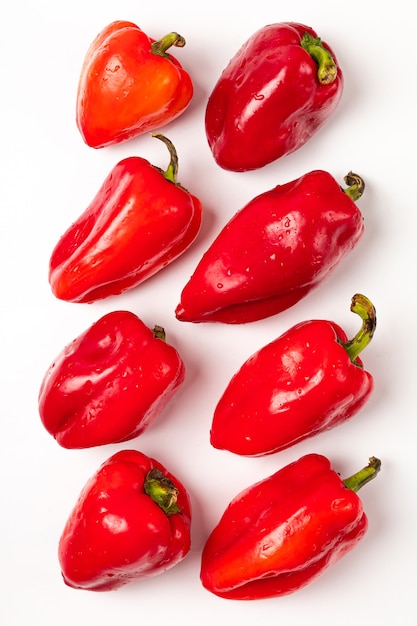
(273, 252)
(118, 531)
(110, 383)
(270, 99)
(129, 85)
(301, 384)
(139, 221)
(283, 532)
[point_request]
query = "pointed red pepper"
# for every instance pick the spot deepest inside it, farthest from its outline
(140, 220)
(306, 381)
(131, 521)
(283, 532)
(110, 383)
(129, 85)
(276, 92)
(275, 250)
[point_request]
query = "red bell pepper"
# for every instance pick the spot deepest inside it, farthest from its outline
(110, 383)
(129, 85)
(283, 532)
(140, 220)
(275, 93)
(275, 250)
(306, 381)
(131, 521)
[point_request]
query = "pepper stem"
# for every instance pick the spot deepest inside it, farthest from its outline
(327, 68)
(162, 491)
(172, 169)
(356, 186)
(172, 39)
(365, 309)
(358, 480)
(159, 332)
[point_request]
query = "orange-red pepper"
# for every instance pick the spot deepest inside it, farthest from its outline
(283, 532)
(129, 85)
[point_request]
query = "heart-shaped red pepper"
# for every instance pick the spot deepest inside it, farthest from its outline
(129, 85)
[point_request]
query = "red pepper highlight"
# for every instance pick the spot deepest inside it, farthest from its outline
(283, 532)
(129, 85)
(307, 381)
(275, 250)
(131, 521)
(276, 92)
(140, 221)
(110, 383)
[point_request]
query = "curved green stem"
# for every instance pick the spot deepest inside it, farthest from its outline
(356, 186)
(162, 491)
(172, 169)
(326, 66)
(361, 478)
(365, 309)
(172, 39)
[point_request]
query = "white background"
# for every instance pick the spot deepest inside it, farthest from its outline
(47, 178)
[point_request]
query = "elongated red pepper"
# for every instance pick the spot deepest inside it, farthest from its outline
(110, 383)
(275, 93)
(131, 521)
(306, 381)
(283, 532)
(129, 85)
(140, 221)
(275, 250)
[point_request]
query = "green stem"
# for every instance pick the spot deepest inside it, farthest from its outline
(159, 332)
(356, 186)
(172, 39)
(361, 478)
(172, 169)
(365, 309)
(162, 491)
(326, 66)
